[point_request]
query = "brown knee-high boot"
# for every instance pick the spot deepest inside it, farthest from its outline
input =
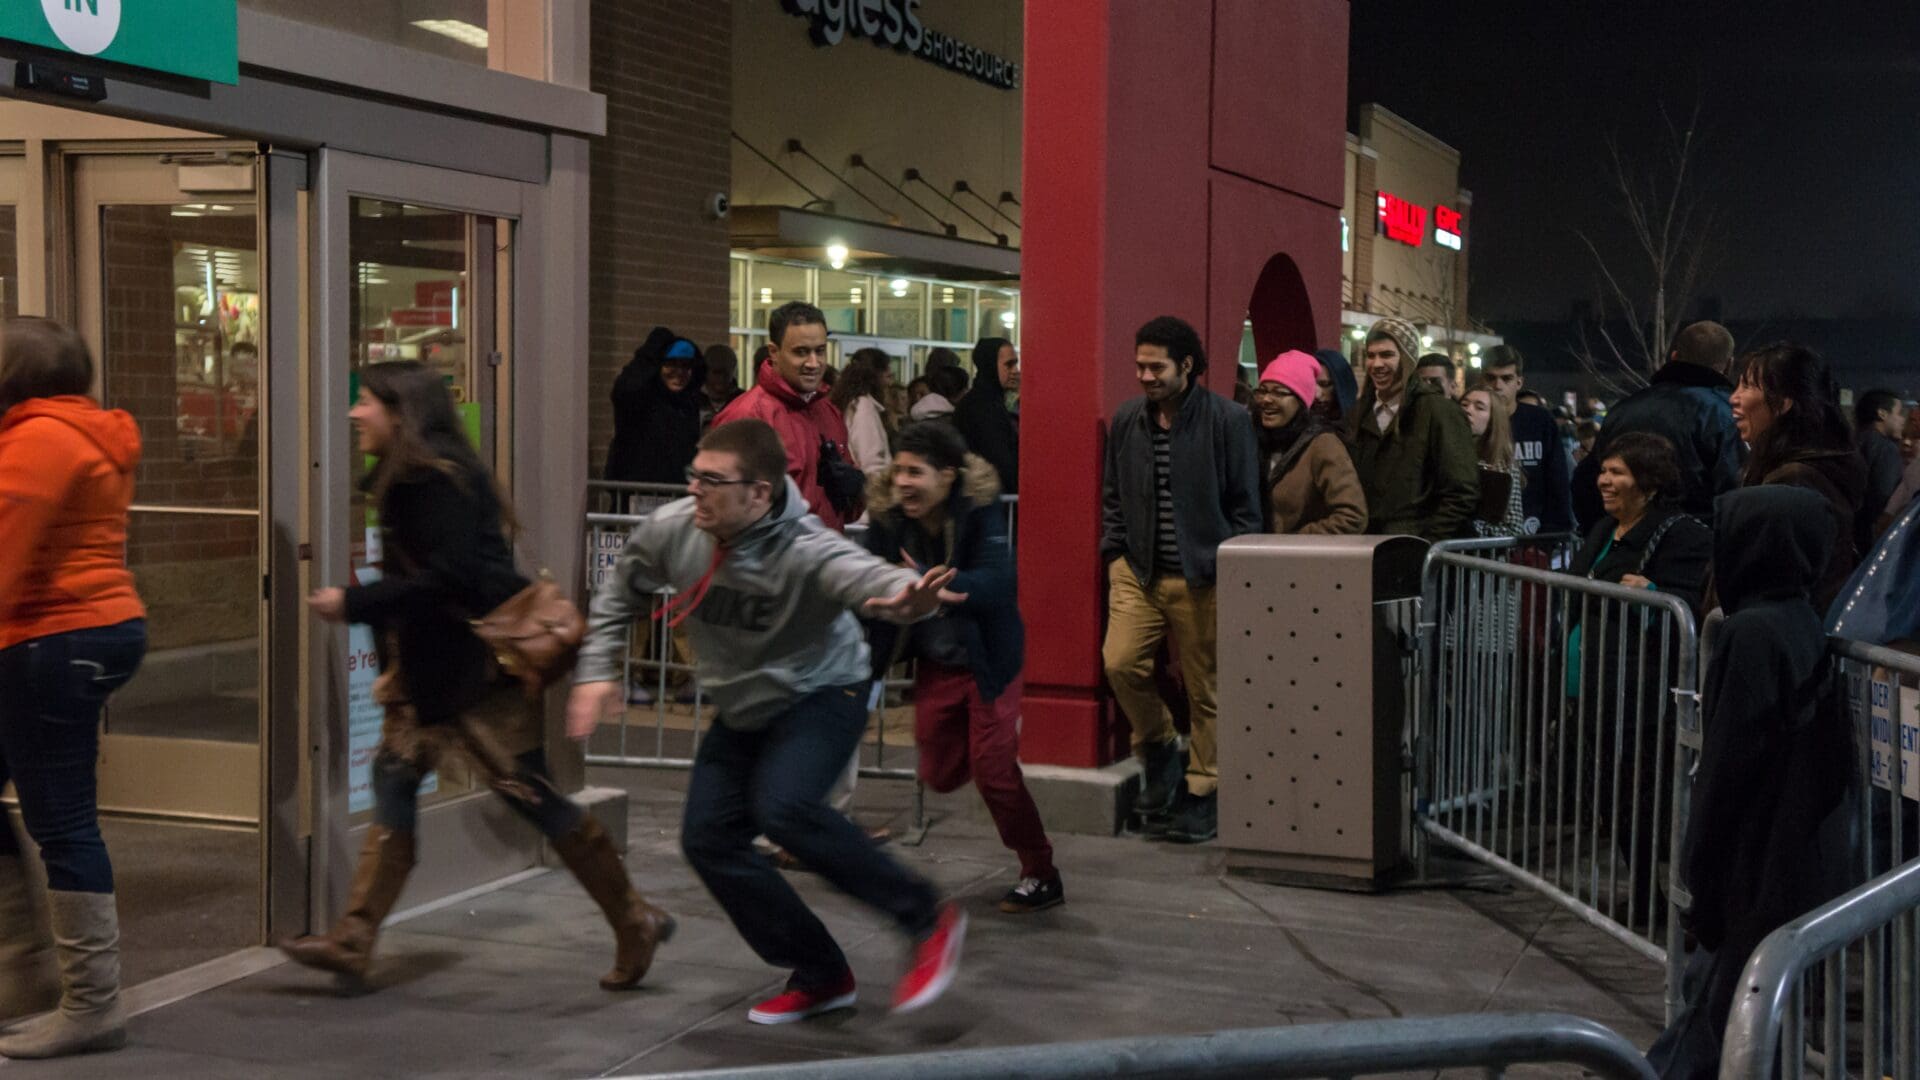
(385, 861)
(638, 927)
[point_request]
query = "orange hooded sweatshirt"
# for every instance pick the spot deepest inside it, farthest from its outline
(66, 480)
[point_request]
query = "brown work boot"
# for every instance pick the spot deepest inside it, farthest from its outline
(385, 861)
(638, 927)
(29, 978)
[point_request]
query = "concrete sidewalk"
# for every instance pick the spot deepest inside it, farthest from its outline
(1152, 939)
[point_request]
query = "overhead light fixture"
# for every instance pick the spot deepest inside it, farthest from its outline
(766, 296)
(837, 255)
(188, 213)
(1426, 341)
(458, 29)
(1473, 348)
(1359, 333)
(1474, 359)
(1006, 319)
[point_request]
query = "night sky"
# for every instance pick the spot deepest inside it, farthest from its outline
(1810, 112)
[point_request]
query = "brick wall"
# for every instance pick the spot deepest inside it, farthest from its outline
(657, 257)
(199, 576)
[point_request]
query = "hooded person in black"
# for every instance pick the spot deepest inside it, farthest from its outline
(1766, 838)
(990, 426)
(656, 411)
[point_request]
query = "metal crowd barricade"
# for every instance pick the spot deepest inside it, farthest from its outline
(1846, 976)
(679, 718)
(1490, 1042)
(1565, 775)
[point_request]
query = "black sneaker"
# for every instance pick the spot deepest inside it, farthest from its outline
(1196, 820)
(1033, 895)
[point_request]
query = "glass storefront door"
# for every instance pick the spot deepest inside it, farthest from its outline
(168, 294)
(417, 265)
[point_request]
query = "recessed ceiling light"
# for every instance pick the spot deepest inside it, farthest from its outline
(459, 30)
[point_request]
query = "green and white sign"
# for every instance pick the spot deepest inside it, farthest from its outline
(199, 39)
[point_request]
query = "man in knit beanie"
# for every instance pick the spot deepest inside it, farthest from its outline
(1412, 446)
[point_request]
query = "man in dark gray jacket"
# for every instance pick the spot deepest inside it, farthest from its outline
(1182, 477)
(770, 592)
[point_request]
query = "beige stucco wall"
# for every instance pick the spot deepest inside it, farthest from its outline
(896, 110)
(1422, 283)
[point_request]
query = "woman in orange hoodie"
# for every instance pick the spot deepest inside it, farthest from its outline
(72, 631)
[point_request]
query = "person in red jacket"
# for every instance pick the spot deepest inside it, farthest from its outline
(72, 631)
(789, 396)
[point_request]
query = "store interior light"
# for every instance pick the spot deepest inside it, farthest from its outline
(766, 296)
(1473, 348)
(837, 255)
(1006, 319)
(1474, 359)
(458, 29)
(1426, 341)
(898, 286)
(1359, 333)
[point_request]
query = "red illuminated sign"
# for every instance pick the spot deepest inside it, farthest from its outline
(1402, 220)
(1446, 227)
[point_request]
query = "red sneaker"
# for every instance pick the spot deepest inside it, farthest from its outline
(936, 960)
(791, 1005)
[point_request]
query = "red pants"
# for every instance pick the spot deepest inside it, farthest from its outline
(961, 737)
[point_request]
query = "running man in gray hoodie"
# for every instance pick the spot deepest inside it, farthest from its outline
(767, 593)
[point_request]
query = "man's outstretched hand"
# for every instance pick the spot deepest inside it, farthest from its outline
(917, 601)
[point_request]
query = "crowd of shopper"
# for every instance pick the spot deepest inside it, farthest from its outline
(1740, 484)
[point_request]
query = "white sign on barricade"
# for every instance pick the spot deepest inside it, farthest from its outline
(604, 545)
(1883, 738)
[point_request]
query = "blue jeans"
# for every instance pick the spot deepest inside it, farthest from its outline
(51, 692)
(775, 782)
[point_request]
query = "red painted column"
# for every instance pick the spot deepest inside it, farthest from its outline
(1142, 199)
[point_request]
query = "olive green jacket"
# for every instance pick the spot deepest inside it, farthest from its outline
(1421, 474)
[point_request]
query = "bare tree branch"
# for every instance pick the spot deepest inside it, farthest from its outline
(1674, 240)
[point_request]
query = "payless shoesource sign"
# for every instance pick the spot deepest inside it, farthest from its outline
(198, 39)
(896, 24)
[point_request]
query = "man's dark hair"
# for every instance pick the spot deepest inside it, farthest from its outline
(761, 355)
(1439, 360)
(723, 358)
(1531, 397)
(940, 445)
(1178, 338)
(948, 382)
(1650, 458)
(1867, 410)
(1704, 344)
(244, 347)
(940, 356)
(792, 313)
(1503, 357)
(756, 444)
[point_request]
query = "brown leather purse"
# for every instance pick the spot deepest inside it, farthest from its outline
(534, 636)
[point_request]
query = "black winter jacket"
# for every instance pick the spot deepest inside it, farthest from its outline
(1766, 836)
(1840, 478)
(1691, 407)
(986, 629)
(1215, 484)
(655, 431)
(445, 561)
(989, 427)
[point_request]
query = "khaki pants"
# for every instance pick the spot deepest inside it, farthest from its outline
(1139, 616)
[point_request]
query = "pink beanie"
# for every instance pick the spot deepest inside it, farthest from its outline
(1297, 371)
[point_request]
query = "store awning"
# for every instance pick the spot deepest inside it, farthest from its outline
(789, 233)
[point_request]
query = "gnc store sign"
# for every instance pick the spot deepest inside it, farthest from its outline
(1407, 222)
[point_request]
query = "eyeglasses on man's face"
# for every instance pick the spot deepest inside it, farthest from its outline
(696, 478)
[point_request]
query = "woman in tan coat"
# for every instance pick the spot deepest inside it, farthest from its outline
(1310, 483)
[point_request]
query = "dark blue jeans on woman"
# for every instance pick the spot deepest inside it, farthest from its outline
(775, 781)
(51, 691)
